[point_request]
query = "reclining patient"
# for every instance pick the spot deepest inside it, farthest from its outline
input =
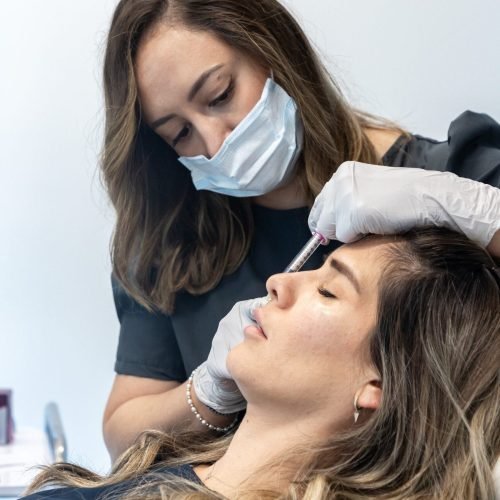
(376, 376)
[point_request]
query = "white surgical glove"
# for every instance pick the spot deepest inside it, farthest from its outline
(212, 381)
(361, 199)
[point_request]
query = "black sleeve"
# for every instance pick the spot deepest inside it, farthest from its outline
(147, 346)
(474, 148)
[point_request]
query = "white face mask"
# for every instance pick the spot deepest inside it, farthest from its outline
(260, 153)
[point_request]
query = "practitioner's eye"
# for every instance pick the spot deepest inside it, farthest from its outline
(326, 293)
(181, 135)
(224, 96)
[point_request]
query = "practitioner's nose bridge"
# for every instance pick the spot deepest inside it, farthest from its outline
(213, 131)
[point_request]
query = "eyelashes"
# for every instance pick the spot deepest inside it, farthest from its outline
(220, 99)
(326, 293)
(183, 133)
(224, 96)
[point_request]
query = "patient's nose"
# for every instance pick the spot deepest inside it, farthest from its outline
(282, 288)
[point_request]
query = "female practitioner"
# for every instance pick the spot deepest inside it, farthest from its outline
(222, 128)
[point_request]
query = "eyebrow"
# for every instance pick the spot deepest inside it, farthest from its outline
(347, 272)
(198, 84)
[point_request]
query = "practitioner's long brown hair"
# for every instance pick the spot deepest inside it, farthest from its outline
(168, 236)
(436, 434)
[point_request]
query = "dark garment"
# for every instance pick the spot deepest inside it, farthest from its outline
(472, 150)
(170, 347)
(113, 491)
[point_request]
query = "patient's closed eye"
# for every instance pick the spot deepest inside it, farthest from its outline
(326, 293)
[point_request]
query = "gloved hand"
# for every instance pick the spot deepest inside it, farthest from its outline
(212, 381)
(361, 199)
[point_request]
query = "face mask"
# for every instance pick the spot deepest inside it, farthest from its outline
(260, 153)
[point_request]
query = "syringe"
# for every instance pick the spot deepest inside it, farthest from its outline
(303, 256)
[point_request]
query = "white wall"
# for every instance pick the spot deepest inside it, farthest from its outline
(58, 328)
(418, 62)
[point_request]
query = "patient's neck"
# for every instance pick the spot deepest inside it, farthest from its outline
(263, 439)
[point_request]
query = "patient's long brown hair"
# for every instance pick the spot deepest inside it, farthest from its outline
(168, 236)
(436, 434)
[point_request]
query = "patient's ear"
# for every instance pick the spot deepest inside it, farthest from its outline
(369, 395)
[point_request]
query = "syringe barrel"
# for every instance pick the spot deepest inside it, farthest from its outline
(302, 257)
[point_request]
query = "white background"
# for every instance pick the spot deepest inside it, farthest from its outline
(418, 62)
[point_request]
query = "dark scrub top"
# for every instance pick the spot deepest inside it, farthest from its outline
(170, 347)
(114, 491)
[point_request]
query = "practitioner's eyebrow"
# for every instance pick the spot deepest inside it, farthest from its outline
(347, 272)
(201, 81)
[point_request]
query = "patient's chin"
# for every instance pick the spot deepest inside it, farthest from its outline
(241, 369)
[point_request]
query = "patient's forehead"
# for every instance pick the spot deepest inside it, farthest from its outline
(367, 257)
(373, 247)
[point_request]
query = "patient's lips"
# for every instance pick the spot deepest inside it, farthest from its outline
(256, 329)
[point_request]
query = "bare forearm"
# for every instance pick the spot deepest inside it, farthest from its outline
(167, 411)
(163, 411)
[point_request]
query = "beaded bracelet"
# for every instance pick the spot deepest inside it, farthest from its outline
(197, 413)
(214, 411)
